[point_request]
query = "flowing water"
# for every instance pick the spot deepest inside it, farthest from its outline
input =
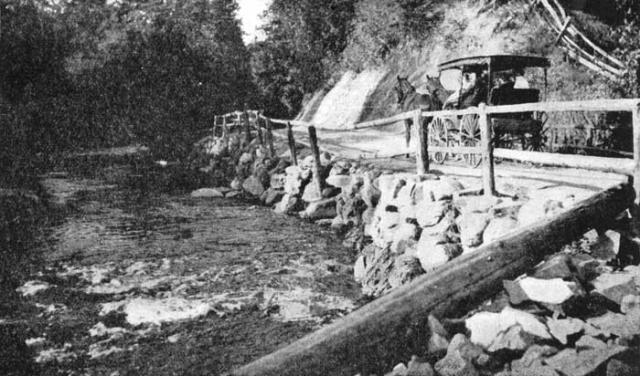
(139, 278)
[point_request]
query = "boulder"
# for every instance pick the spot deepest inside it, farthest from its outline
(533, 356)
(514, 338)
(472, 226)
(405, 269)
(207, 192)
(405, 236)
(359, 269)
(555, 267)
(486, 326)
(583, 363)
(615, 286)
(278, 181)
(625, 326)
(497, 228)
(429, 213)
(468, 350)
(607, 246)
(416, 367)
(339, 181)
(549, 291)
(287, 205)
(320, 209)
(444, 189)
(311, 192)
(565, 328)
(617, 367)
(273, 196)
(537, 209)
(253, 186)
(630, 303)
(431, 254)
(586, 267)
(455, 365)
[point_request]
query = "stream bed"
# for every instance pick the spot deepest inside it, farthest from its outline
(139, 278)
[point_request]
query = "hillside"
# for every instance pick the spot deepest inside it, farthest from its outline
(463, 28)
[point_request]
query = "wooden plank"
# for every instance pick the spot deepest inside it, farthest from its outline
(617, 165)
(317, 166)
(563, 30)
(292, 145)
(486, 142)
(422, 152)
(388, 330)
(454, 149)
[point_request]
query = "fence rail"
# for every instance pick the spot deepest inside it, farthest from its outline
(486, 148)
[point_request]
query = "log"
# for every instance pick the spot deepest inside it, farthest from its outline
(388, 330)
(422, 151)
(486, 137)
(317, 166)
(292, 144)
(563, 30)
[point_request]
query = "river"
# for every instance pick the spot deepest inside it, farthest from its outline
(136, 277)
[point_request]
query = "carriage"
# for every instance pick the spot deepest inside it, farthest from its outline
(494, 80)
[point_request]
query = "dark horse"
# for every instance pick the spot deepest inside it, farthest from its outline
(409, 99)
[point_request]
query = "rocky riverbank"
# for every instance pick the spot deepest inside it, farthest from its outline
(575, 314)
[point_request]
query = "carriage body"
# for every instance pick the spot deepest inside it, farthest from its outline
(483, 79)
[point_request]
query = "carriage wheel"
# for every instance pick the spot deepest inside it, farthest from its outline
(537, 141)
(438, 137)
(470, 136)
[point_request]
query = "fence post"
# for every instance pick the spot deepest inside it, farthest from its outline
(317, 166)
(422, 152)
(247, 127)
(225, 130)
(259, 130)
(272, 149)
(292, 144)
(488, 176)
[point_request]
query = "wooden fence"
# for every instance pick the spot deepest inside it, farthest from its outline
(486, 150)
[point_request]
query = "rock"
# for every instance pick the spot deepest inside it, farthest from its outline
(617, 367)
(555, 267)
(339, 181)
(207, 192)
(320, 209)
(548, 291)
(278, 181)
(405, 235)
(405, 269)
(486, 326)
(498, 227)
(245, 158)
(419, 368)
(311, 193)
(477, 204)
(532, 356)
(288, 204)
(431, 255)
(273, 196)
(253, 186)
(516, 294)
(513, 339)
(236, 184)
(535, 370)
(607, 246)
(537, 209)
(614, 286)
(359, 269)
(583, 363)
(472, 226)
(472, 352)
(233, 194)
(563, 329)
(589, 342)
(455, 365)
(630, 303)
(445, 188)
(625, 326)
(586, 267)
(398, 370)
(429, 213)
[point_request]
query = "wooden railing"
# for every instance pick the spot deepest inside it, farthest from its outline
(630, 167)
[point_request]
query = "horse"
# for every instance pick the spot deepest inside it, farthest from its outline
(409, 99)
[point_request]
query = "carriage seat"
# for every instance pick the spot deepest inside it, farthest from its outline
(506, 95)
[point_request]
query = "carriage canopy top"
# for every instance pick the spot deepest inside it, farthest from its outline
(497, 62)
